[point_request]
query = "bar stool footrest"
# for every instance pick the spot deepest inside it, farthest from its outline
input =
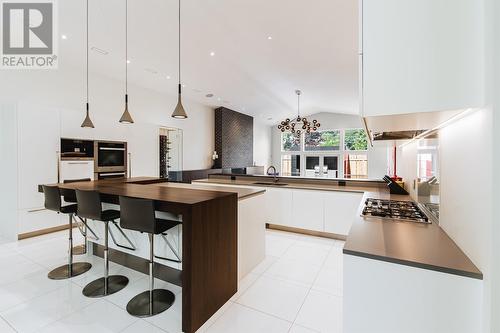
(140, 306)
(96, 288)
(63, 272)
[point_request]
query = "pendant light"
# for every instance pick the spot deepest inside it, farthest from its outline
(87, 122)
(126, 117)
(302, 124)
(179, 111)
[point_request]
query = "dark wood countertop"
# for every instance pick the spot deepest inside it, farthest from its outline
(147, 188)
(419, 245)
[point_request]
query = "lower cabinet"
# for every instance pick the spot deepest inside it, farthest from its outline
(279, 206)
(341, 208)
(307, 209)
(327, 211)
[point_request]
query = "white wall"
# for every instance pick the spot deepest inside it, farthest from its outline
(493, 82)
(261, 144)
(8, 170)
(377, 155)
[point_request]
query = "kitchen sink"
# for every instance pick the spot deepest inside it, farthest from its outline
(270, 184)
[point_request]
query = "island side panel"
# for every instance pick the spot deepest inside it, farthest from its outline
(210, 264)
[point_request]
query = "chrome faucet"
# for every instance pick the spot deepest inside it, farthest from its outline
(275, 173)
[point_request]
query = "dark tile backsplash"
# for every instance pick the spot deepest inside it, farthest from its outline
(233, 139)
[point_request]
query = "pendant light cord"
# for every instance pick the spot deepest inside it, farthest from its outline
(298, 105)
(179, 46)
(87, 55)
(126, 47)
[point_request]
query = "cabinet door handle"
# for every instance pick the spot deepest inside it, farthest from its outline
(78, 163)
(36, 210)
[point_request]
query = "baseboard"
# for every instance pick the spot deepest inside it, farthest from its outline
(306, 232)
(42, 232)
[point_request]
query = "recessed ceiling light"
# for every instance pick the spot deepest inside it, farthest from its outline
(98, 50)
(168, 77)
(209, 95)
(64, 37)
(184, 86)
(212, 53)
(218, 98)
(269, 37)
(128, 61)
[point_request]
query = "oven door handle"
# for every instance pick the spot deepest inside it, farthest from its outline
(111, 148)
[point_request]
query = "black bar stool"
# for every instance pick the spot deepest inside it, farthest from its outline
(90, 207)
(53, 202)
(139, 215)
(70, 197)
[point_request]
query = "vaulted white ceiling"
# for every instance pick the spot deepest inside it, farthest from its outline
(313, 47)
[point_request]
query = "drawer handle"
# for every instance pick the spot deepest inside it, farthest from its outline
(36, 210)
(78, 163)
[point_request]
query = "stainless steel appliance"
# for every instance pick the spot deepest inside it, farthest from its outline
(109, 175)
(406, 211)
(110, 158)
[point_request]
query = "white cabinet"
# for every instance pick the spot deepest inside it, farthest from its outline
(307, 209)
(76, 169)
(341, 209)
(30, 220)
(279, 206)
(38, 144)
(328, 211)
(421, 55)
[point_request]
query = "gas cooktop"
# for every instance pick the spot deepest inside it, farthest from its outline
(394, 210)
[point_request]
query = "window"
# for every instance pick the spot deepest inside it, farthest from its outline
(331, 166)
(312, 166)
(290, 142)
(290, 165)
(329, 153)
(322, 141)
(356, 166)
(355, 139)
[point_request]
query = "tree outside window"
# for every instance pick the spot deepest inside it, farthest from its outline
(290, 142)
(322, 141)
(355, 139)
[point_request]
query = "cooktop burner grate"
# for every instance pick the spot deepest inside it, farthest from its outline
(395, 210)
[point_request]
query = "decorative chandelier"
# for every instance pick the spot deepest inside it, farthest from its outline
(298, 125)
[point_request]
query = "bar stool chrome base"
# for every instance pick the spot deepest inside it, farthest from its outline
(63, 272)
(141, 306)
(97, 287)
(79, 250)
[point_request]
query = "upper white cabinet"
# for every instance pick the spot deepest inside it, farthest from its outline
(421, 55)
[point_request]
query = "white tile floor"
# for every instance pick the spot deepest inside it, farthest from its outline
(296, 289)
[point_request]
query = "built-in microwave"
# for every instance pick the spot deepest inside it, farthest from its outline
(110, 156)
